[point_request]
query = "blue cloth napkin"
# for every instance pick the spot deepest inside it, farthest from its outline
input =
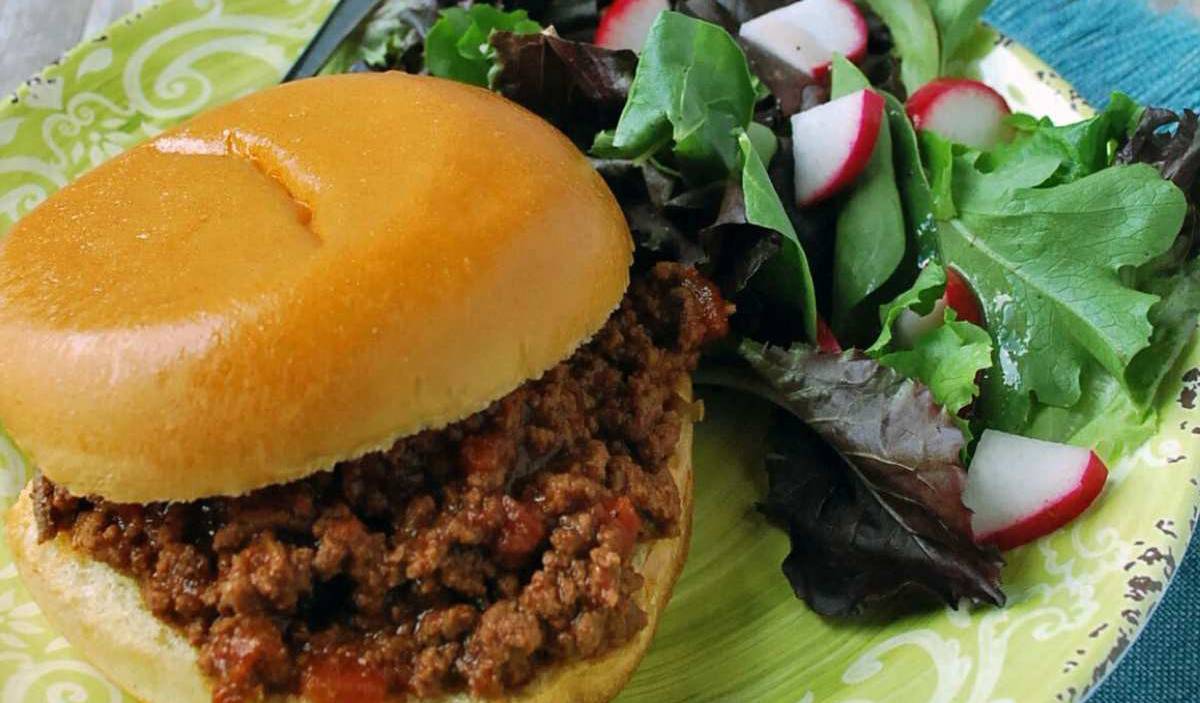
(1106, 45)
(1152, 54)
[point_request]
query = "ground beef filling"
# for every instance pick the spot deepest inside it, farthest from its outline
(463, 558)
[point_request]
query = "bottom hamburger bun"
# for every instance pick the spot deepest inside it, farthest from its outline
(101, 613)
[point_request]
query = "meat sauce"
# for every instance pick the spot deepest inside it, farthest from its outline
(467, 558)
(340, 676)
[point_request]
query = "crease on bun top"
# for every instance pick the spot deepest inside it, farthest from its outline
(298, 278)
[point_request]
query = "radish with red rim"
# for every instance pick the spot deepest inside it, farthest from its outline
(958, 296)
(961, 110)
(805, 35)
(961, 298)
(1020, 489)
(625, 23)
(832, 144)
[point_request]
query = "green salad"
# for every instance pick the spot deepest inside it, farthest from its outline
(923, 281)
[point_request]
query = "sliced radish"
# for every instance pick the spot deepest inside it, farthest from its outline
(961, 110)
(625, 23)
(826, 341)
(958, 296)
(832, 144)
(1021, 488)
(911, 326)
(961, 298)
(806, 34)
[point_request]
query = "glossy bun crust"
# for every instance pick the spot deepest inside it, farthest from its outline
(101, 612)
(296, 278)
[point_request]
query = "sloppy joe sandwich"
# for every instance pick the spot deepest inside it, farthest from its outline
(334, 409)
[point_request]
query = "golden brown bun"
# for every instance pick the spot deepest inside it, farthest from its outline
(101, 613)
(297, 278)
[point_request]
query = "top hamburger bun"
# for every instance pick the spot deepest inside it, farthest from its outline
(299, 298)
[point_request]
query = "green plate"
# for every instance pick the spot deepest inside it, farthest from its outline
(733, 630)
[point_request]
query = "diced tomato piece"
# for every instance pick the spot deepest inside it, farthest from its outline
(335, 677)
(523, 530)
(713, 308)
(623, 517)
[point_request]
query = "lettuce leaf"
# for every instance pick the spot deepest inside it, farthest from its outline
(1176, 154)
(572, 19)
(457, 45)
(1174, 319)
(921, 206)
(579, 88)
(391, 37)
(938, 155)
(1046, 265)
(1069, 256)
(876, 504)
(1106, 419)
(871, 233)
(1082, 148)
(1169, 142)
(947, 358)
(1043, 228)
(920, 299)
(787, 273)
(693, 89)
(395, 31)
(956, 21)
(916, 37)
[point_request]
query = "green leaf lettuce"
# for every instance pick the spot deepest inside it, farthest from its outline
(1045, 263)
(457, 46)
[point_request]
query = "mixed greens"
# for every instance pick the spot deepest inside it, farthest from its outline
(1078, 243)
